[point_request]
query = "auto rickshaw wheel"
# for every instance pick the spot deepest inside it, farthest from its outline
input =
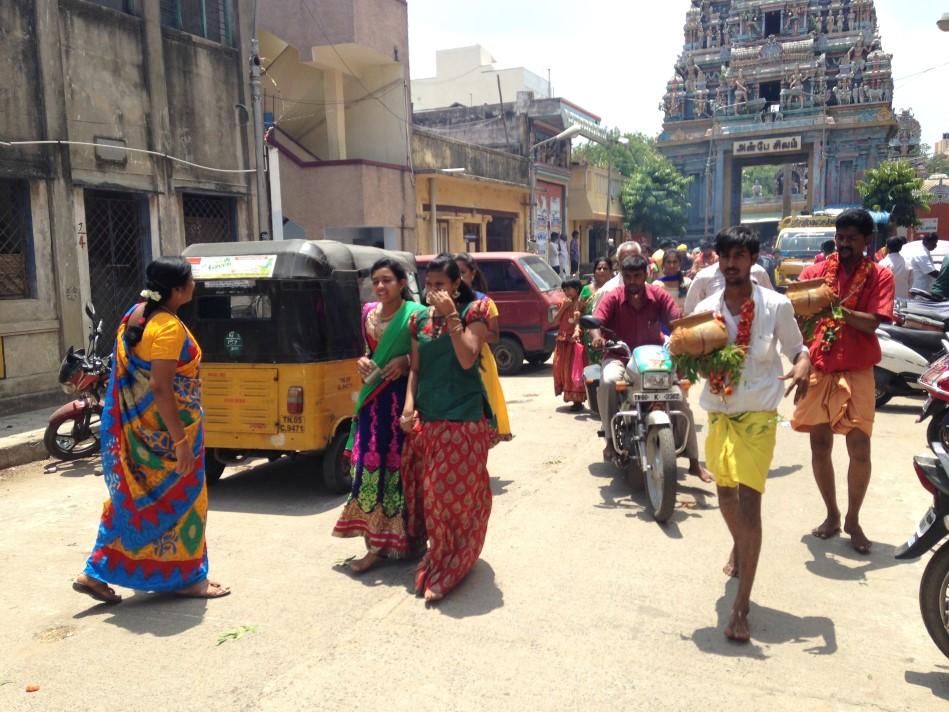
(337, 474)
(213, 468)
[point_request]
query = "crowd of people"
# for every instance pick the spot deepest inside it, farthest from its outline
(431, 405)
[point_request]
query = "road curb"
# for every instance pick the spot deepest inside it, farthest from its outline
(24, 452)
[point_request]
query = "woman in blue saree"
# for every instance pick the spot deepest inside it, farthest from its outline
(151, 535)
(375, 509)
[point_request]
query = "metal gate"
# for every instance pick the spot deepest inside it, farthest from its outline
(208, 218)
(117, 234)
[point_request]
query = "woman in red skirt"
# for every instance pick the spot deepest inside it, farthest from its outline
(569, 357)
(444, 464)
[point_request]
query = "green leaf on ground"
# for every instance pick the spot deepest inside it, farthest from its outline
(236, 633)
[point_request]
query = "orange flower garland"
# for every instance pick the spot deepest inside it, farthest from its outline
(827, 328)
(722, 382)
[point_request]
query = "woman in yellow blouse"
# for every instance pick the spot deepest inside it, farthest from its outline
(472, 276)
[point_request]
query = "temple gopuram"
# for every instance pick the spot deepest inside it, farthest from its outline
(802, 85)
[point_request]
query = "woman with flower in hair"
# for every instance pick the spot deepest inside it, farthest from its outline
(444, 467)
(376, 508)
(151, 535)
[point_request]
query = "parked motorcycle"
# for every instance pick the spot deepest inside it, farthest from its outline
(933, 529)
(642, 432)
(906, 354)
(935, 382)
(591, 377)
(73, 430)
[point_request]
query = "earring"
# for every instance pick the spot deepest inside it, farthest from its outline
(455, 294)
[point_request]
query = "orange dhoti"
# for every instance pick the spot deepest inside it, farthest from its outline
(845, 400)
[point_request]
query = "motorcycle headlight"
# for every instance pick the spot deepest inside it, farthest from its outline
(657, 381)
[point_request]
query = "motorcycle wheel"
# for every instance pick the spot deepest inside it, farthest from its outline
(591, 398)
(336, 465)
(934, 599)
(881, 395)
(662, 474)
(938, 429)
(68, 439)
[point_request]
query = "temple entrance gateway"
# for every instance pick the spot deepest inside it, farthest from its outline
(755, 190)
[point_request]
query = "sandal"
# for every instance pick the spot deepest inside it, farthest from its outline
(109, 596)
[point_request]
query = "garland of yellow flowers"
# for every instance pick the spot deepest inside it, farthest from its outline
(825, 328)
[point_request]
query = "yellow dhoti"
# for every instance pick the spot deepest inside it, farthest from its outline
(739, 448)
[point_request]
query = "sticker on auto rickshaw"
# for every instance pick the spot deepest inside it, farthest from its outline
(234, 343)
(233, 267)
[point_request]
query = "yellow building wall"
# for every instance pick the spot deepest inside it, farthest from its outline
(474, 196)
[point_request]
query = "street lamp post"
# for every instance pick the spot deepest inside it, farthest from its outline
(610, 142)
(566, 134)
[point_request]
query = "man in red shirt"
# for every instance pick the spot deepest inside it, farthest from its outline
(635, 312)
(843, 352)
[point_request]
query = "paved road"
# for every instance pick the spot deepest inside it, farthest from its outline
(580, 601)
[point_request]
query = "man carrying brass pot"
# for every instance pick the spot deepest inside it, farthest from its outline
(743, 415)
(844, 349)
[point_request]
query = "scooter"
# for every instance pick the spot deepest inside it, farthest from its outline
(933, 529)
(935, 381)
(72, 432)
(906, 354)
(642, 432)
(591, 377)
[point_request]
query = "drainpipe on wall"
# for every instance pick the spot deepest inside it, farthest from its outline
(260, 160)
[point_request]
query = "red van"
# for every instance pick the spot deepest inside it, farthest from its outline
(528, 294)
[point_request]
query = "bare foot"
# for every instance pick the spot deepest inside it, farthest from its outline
(830, 527)
(364, 564)
(701, 473)
(95, 589)
(432, 597)
(731, 568)
(858, 540)
(204, 589)
(737, 628)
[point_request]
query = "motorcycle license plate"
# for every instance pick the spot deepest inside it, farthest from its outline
(927, 521)
(647, 397)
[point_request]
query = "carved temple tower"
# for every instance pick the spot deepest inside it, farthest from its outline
(803, 82)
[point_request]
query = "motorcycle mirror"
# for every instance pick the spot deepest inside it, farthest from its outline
(588, 321)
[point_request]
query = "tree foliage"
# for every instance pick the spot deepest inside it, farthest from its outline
(937, 163)
(655, 199)
(894, 187)
(655, 194)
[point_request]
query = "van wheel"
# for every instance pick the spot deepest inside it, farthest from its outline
(336, 465)
(509, 355)
(536, 359)
(213, 468)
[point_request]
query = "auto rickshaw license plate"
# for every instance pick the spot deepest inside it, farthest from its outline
(646, 397)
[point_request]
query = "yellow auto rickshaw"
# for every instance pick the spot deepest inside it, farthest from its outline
(278, 323)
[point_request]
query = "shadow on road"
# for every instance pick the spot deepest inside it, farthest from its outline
(499, 486)
(769, 626)
(835, 558)
(388, 572)
(477, 595)
(161, 615)
(288, 487)
(937, 682)
(784, 470)
(75, 468)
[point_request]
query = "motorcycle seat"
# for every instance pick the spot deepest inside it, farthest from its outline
(926, 343)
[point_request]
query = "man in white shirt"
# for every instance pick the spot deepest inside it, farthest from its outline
(894, 261)
(710, 279)
(743, 417)
(924, 271)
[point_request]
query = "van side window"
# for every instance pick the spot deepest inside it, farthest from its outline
(516, 280)
(503, 276)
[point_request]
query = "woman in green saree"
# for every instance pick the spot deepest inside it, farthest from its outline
(375, 508)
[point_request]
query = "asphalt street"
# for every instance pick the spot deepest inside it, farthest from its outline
(580, 600)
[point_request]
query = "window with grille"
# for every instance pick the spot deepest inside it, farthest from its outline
(211, 19)
(208, 218)
(16, 240)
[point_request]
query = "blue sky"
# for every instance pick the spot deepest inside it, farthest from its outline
(613, 57)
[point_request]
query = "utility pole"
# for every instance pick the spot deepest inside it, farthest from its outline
(609, 192)
(263, 208)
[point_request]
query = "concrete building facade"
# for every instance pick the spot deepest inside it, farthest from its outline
(467, 76)
(80, 220)
(336, 99)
